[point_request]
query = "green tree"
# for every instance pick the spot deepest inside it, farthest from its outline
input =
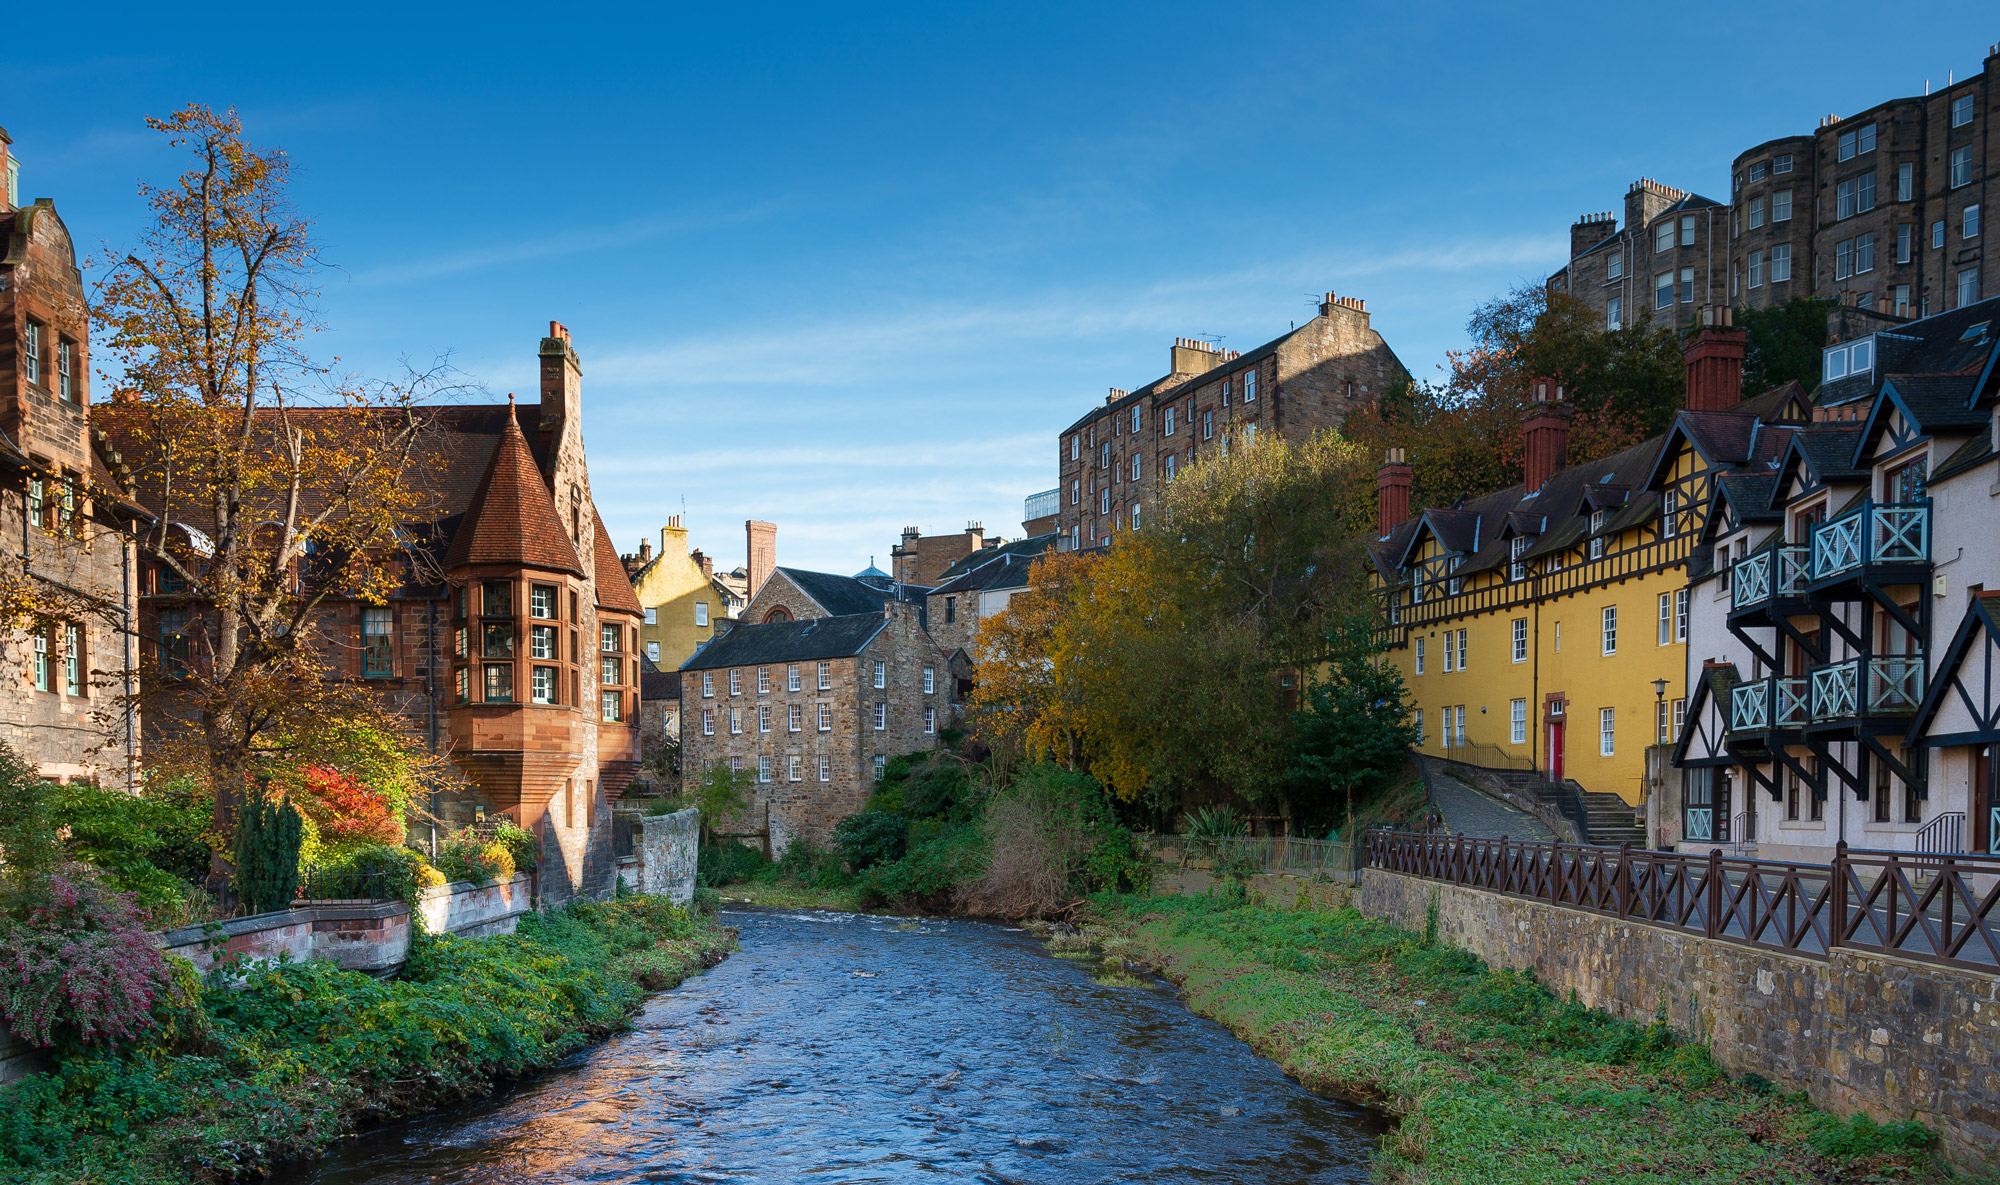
(268, 834)
(1353, 732)
(719, 793)
(1785, 343)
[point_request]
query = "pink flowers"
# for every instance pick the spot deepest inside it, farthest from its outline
(76, 958)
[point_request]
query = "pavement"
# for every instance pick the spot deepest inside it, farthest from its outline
(1467, 811)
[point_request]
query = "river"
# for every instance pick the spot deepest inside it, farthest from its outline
(839, 1048)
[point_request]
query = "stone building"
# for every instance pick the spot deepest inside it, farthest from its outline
(1668, 260)
(812, 707)
(1885, 208)
(978, 587)
(1308, 379)
(920, 560)
(797, 594)
(68, 524)
(1844, 635)
(513, 643)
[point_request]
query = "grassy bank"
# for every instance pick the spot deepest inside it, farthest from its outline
(1493, 1078)
(236, 1079)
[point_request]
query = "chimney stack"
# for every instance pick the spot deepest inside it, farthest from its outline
(1392, 491)
(10, 174)
(1715, 361)
(761, 546)
(1190, 356)
(562, 381)
(707, 565)
(645, 551)
(1545, 433)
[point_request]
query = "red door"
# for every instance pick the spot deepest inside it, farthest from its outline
(1555, 750)
(1985, 804)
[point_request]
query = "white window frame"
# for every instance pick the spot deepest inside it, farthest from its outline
(701, 613)
(794, 768)
(1167, 421)
(653, 616)
(763, 717)
(1781, 263)
(1461, 650)
(1607, 732)
(881, 674)
(1517, 722)
(1961, 109)
(1781, 211)
(1250, 386)
(792, 677)
(1961, 166)
(794, 718)
(1520, 651)
(1969, 222)
(1681, 615)
(881, 715)
(708, 722)
(1666, 623)
(826, 676)
(930, 721)
(708, 685)
(826, 717)
(1420, 654)
(825, 768)
(763, 767)
(1609, 625)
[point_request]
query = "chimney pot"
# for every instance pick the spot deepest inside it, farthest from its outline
(1544, 434)
(1392, 492)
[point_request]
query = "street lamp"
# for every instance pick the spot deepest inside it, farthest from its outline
(1660, 689)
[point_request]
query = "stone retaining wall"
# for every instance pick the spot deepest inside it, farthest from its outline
(1857, 1031)
(666, 847)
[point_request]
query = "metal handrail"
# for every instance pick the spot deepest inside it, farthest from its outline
(1945, 833)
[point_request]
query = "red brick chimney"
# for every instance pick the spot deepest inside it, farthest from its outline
(1545, 433)
(761, 552)
(1715, 361)
(1392, 491)
(707, 564)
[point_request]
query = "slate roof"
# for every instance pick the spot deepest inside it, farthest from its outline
(614, 591)
(1958, 341)
(790, 641)
(512, 519)
(1033, 545)
(1009, 571)
(842, 595)
(656, 684)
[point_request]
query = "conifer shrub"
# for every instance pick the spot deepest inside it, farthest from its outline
(269, 832)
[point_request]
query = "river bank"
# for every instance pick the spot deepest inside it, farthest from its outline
(238, 1078)
(1492, 1078)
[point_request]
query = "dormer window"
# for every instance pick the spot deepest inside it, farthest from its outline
(1597, 518)
(1517, 568)
(1849, 358)
(1670, 514)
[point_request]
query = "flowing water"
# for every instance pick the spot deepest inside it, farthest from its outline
(840, 1048)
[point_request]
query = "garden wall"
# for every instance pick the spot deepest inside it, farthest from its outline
(666, 847)
(1857, 1031)
(18, 1059)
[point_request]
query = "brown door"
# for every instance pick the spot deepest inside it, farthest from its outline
(1985, 804)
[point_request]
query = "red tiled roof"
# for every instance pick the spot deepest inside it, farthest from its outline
(614, 591)
(511, 518)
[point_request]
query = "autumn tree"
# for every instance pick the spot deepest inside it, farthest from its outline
(276, 483)
(1022, 707)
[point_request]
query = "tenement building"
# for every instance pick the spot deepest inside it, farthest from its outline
(978, 587)
(67, 591)
(1544, 626)
(811, 708)
(513, 643)
(1844, 639)
(1667, 262)
(1112, 460)
(921, 559)
(1885, 208)
(683, 601)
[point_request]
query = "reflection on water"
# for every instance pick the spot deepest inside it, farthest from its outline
(842, 1048)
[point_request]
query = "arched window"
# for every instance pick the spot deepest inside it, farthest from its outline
(777, 613)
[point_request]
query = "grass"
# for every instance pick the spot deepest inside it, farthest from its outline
(789, 894)
(1493, 1078)
(242, 1077)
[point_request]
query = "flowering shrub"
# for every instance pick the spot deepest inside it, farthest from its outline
(76, 961)
(345, 814)
(467, 856)
(520, 844)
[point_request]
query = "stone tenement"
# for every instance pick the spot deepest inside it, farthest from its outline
(1857, 1031)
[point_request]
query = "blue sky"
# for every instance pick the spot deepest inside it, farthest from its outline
(849, 268)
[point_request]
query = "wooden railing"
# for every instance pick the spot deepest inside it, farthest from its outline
(1934, 907)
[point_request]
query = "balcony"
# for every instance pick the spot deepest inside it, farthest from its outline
(1884, 541)
(1775, 574)
(1889, 685)
(1763, 705)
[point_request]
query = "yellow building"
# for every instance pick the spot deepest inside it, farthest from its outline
(683, 602)
(1545, 626)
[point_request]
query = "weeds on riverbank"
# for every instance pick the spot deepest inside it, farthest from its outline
(1495, 1079)
(238, 1078)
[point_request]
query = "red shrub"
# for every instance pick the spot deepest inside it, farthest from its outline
(346, 813)
(76, 957)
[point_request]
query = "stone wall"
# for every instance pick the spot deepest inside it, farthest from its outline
(18, 1059)
(1857, 1031)
(666, 847)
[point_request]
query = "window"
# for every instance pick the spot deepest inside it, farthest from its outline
(462, 680)
(1961, 110)
(1756, 172)
(653, 652)
(951, 609)
(1135, 468)
(498, 640)
(1663, 235)
(1419, 722)
(1607, 732)
(1864, 254)
(881, 715)
(1104, 500)
(653, 616)
(1597, 518)
(42, 658)
(1075, 491)
(763, 717)
(1961, 167)
(377, 650)
(1075, 447)
(735, 682)
(881, 673)
(763, 767)
(607, 639)
(763, 680)
(1681, 615)
(1167, 422)
(1670, 514)
(497, 598)
(708, 722)
(1680, 716)
(1420, 656)
(72, 659)
(1517, 722)
(1461, 650)
(1781, 263)
(1687, 285)
(826, 717)
(735, 721)
(1937, 235)
(1614, 313)
(1662, 717)
(1971, 223)
(930, 720)
(1855, 196)
(930, 681)
(1856, 143)
(1450, 653)
(708, 684)
(1104, 455)
(1666, 618)
(1517, 568)
(1520, 639)
(1968, 286)
(542, 602)
(880, 762)
(499, 683)
(66, 369)
(1781, 206)
(543, 688)
(1843, 259)
(1902, 300)
(826, 676)
(701, 613)
(1756, 213)
(1249, 386)
(31, 353)
(1611, 629)
(825, 768)
(1459, 713)
(1135, 417)
(1905, 182)
(542, 641)
(1781, 164)
(1207, 424)
(1663, 290)
(1614, 263)
(1905, 234)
